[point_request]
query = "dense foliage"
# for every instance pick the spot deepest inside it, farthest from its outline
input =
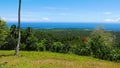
(3, 32)
(97, 43)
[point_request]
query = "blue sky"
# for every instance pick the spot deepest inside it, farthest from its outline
(62, 10)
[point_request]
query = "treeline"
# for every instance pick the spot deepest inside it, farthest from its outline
(97, 43)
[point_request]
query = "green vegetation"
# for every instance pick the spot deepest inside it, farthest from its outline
(33, 59)
(97, 43)
(3, 32)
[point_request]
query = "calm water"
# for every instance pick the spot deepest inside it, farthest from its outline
(107, 26)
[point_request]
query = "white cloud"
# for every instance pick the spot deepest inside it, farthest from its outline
(113, 20)
(45, 19)
(26, 19)
(118, 19)
(107, 13)
(29, 20)
(107, 20)
(3, 18)
(35, 19)
(11, 19)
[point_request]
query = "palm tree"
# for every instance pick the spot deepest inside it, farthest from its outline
(19, 36)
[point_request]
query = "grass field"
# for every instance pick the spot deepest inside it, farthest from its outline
(33, 59)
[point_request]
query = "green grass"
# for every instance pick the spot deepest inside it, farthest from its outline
(33, 59)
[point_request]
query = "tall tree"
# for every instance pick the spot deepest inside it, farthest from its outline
(19, 36)
(101, 42)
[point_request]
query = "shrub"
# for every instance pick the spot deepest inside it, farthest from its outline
(115, 55)
(57, 47)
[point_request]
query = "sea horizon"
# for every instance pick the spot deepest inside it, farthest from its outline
(81, 25)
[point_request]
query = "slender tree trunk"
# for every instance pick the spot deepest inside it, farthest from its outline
(19, 35)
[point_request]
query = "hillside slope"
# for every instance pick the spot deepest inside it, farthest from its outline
(33, 59)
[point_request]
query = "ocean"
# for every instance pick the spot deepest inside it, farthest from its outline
(50, 25)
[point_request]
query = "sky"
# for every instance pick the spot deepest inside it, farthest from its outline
(62, 10)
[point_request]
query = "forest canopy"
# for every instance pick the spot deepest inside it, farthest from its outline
(98, 43)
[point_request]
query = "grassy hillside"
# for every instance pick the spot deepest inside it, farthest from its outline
(51, 60)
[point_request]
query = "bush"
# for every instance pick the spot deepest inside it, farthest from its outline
(41, 45)
(31, 43)
(57, 47)
(22, 46)
(83, 49)
(10, 43)
(115, 55)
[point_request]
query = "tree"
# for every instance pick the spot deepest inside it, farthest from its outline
(11, 39)
(3, 32)
(101, 42)
(31, 43)
(57, 47)
(10, 43)
(41, 45)
(18, 44)
(13, 31)
(28, 31)
(81, 48)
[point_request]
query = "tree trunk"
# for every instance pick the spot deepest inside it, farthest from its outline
(19, 35)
